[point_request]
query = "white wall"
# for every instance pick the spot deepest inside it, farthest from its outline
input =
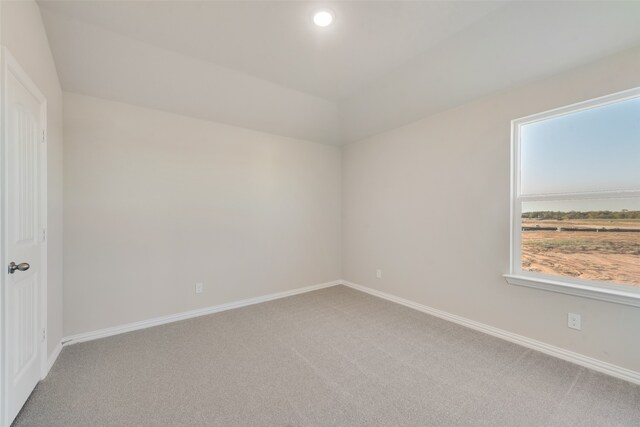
(428, 203)
(24, 36)
(155, 202)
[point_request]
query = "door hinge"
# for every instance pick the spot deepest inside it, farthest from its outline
(43, 137)
(44, 334)
(44, 234)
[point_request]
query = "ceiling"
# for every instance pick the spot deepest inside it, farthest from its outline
(264, 65)
(277, 41)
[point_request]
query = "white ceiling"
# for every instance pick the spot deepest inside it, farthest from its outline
(277, 41)
(264, 65)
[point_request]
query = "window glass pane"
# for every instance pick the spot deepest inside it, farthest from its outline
(592, 150)
(587, 239)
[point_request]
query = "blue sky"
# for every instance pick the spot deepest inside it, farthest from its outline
(592, 150)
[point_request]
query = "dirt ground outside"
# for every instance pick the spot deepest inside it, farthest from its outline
(606, 256)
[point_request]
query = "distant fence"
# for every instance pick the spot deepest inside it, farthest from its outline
(595, 230)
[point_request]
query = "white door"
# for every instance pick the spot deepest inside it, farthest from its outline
(23, 238)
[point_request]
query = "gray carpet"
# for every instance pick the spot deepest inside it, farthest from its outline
(334, 357)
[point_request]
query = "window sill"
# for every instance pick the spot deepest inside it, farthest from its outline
(593, 292)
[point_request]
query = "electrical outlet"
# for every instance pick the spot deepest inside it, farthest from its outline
(379, 274)
(199, 288)
(574, 321)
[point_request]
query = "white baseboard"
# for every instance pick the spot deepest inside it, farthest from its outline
(121, 329)
(570, 356)
(52, 358)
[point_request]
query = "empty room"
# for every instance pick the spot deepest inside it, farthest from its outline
(306, 213)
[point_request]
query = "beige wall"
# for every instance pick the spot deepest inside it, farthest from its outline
(155, 202)
(24, 36)
(428, 203)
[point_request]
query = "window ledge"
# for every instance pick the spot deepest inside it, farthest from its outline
(610, 295)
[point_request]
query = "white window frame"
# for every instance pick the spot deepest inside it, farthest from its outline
(618, 293)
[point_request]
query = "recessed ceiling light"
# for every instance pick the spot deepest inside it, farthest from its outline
(323, 17)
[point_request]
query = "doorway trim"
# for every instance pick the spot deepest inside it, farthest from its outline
(9, 65)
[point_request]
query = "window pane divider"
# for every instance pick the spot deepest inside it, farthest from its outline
(580, 196)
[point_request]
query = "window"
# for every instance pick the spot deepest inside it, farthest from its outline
(576, 199)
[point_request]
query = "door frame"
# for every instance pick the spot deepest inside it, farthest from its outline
(9, 65)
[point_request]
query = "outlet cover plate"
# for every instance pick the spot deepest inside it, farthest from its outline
(574, 321)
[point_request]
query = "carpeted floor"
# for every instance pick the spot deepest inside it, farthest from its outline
(334, 357)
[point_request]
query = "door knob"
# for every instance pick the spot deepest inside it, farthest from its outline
(23, 266)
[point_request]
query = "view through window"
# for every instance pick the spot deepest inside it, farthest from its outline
(578, 199)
